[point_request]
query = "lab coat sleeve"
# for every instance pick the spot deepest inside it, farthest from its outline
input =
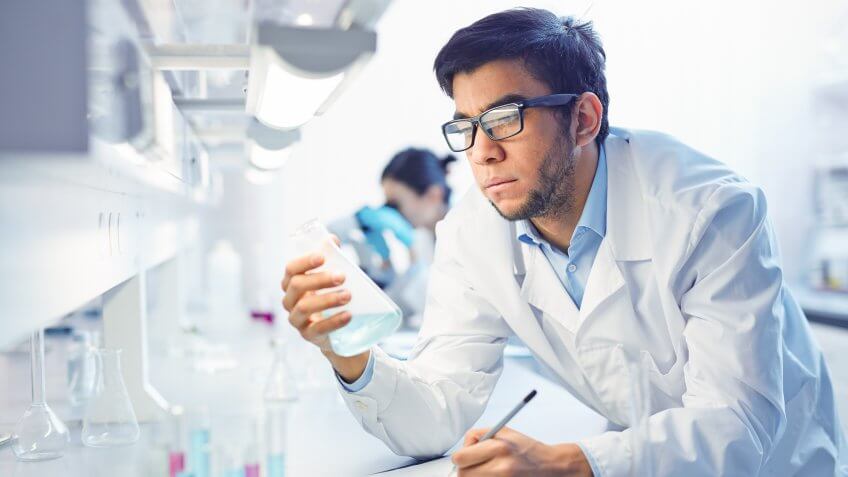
(422, 406)
(733, 408)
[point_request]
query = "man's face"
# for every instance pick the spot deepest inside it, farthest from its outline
(527, 175)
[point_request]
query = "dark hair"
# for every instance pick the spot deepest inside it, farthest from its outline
(563, 53)
(419, 169)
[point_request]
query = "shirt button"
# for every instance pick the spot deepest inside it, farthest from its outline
(361, 405)
(572, 268)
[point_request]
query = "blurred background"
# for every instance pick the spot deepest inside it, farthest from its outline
(156, 157)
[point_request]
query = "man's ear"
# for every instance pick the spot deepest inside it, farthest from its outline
(588, 113)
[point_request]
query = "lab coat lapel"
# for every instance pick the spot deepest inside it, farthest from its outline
(542, 289)
(604, 283)
(501, 284)
(604, 339)
(627, 237)
(628, 228)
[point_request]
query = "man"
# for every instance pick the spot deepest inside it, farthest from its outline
(599, 250)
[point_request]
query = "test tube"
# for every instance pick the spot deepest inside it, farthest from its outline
(199, 452)
(275, 430)
(230, 464)
(251, 452)
(176, 450)
(251, 469)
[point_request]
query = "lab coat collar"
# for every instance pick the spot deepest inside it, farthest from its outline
(593, 217)
(498, 284)
(627, 227)
(542, 289)
(626, 240)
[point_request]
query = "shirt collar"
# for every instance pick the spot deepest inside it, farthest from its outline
(594, 216)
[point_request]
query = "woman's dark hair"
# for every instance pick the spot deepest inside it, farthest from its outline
(561, 52)
(419, 169)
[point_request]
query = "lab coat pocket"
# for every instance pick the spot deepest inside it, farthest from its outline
(605, 367)
(613, 372)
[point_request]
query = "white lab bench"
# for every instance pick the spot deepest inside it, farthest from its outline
(324, 438)
(823, 306)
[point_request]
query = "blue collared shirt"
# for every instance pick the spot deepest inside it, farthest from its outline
(573, 265)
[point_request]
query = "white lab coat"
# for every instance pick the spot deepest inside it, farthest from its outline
(687, 279)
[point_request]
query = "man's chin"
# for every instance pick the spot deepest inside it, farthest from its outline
(510, 212)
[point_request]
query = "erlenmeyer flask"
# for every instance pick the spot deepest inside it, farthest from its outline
(40, 435)
(281, 384)
(109, 417)
(374, 314)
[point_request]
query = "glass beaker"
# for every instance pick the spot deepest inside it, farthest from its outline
(109, 417)
(374, 314)
(40, 435)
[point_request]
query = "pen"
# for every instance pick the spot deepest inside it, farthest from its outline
(500, 425)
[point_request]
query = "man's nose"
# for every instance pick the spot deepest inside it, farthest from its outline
(485, 150)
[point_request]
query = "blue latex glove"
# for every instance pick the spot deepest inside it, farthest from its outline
(374, 221)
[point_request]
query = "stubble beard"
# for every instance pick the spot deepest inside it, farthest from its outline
(553, 194)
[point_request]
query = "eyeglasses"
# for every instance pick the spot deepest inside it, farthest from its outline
(498, 123)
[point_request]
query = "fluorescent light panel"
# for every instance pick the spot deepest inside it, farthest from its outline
(290, 100)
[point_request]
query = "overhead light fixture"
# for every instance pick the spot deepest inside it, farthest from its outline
(304, 19)
(258, 177)
(268, 159)
(297, 72)
(269, 148)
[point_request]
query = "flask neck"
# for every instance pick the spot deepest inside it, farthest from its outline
(310, 234)
(37, 366)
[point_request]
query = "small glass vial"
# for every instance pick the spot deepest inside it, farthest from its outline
(374, 314)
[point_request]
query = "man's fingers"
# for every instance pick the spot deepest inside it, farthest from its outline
(299, 266)
(315, 303)
(480, 452)
(300, 284)
(324, 326)
(474, 435)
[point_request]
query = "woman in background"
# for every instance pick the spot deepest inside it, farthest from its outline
(417, 197)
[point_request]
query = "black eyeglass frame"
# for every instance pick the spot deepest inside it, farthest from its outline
(551, 100)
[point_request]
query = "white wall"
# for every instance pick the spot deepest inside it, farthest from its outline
(734, 79)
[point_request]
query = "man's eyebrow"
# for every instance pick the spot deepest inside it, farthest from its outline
(509, 98)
